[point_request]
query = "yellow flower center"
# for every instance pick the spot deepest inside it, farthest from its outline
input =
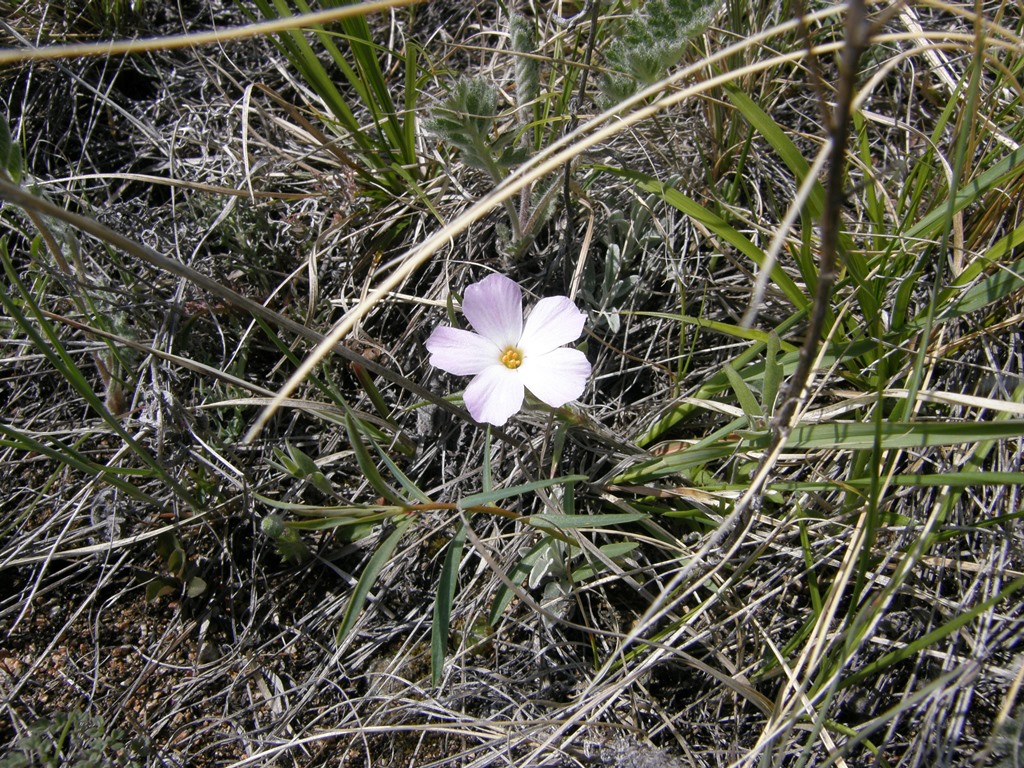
(512, 358)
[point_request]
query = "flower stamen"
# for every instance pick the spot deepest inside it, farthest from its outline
(512, 358)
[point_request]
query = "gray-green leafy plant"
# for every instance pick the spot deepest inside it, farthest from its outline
(607, 286)
(468, 119)
(653, 39)
(1008, 743)
(471, 118)
(182, 576)
(74, 739)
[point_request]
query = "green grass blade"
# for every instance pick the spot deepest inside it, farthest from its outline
(443, 604)
(931, 225)
(413, 87)
(714, 447)
(10, 152)
(516, 576)
(407, 484)
(781, 143)
(484, 499)
(51, 348)
(957, 479)
(366, 464)
(369, 577)
(854, 436)
(719, 381)
(575, 522)
(773, 373)
(1000, 284)
(744, 394)
(611, 551)
(68, 456)
(915, 647)
(294, 45)
(715, 223)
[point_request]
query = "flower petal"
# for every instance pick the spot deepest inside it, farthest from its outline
(555, 321)
(460, 352)
(494, 395)
(494, 307)
(557, 377)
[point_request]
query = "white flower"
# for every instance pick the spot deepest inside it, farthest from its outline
(506, 355)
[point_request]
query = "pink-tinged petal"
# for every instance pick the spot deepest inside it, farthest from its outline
(494, 395)
(494, 307)
(557, 377)
(460, 352)
(554, 322)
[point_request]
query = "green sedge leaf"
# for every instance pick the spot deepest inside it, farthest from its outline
(744, 394)
(368, 578)
(611, 551)
(515, 575)
(484, 499)
(573, 522)
(773, 372)
(365, 461)
(852, 436)
(10, 152)
(443, 604)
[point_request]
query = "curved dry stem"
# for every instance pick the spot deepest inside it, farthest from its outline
(194, 40)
